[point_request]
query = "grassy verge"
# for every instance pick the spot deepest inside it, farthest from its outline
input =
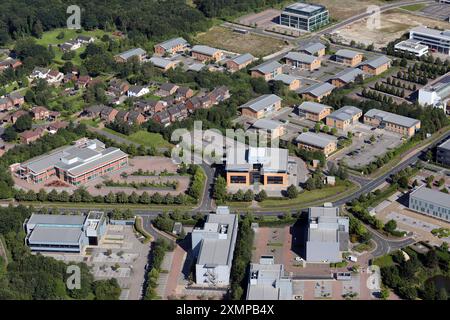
(414, 7)
(145, 138)
(105, 206)
(384, 261)
(138, 226)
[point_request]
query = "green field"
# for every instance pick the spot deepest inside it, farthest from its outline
(145, 138)
(384, 261)
(415, 7)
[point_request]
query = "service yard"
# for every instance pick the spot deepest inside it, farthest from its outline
(394, 23)
(227, 39)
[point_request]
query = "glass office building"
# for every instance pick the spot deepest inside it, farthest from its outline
(304, 16)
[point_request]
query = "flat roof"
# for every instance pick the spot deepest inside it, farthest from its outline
(346, 53)
(345, 113)
(411, 44)
(316, 139)
(301, 57)
(267, 67)
(271, 159)
(319, 89)
(444, 35)
(56, 219)
(313, 107)
(430, 195)
(209, 51)
(445, 145)
(261, 102)
(269, 282)
(55, 235)
(392, 118)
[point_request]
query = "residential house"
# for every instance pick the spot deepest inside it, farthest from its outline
(138, 53)
(171, 46)
(167, 89)
(39, 73)
(137, 91)
(376, 65)
(184, 93)
(219, 94)
(150, 106)
(206, 54)
(108, 114)
(56, 126)
(267, 70)
(30, 136)
(135, 117)
(178, 112)
(16, 98)
(94, 111)
(70, 45)
(261, 106)
(162, 117)
(83, 81)
(54, 77)
(12, 118)
(40, 113)
(5, 104)
(118, 87)
(10, 63)
(239, 62)
(348, 57)
(302, 61)
(314, 111)
(85, 39)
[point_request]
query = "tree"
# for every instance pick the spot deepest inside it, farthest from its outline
(107, 289)
(442, 294)
(10, 134)
(390, 226)
(292, 192)
(23, 123)
(220, 190)
(261, 196)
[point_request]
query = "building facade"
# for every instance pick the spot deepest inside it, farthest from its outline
(303, 16)
(392, 122)
(430, 202)
(261, 106)
(311, 141)
(344, 118)
(314, 111)
(443, 153)
(435, 40)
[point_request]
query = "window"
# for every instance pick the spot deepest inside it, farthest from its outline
(238, 179)
(275, 180)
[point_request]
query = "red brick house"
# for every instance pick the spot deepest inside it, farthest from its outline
(40, 113)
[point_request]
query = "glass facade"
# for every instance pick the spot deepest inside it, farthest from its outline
(308, 18)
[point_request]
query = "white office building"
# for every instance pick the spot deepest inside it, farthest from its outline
(412, 46)
(436, 94)
(430, 202)
(436, 40)
(213, 245)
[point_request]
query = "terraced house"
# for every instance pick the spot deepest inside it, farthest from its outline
(76, 165)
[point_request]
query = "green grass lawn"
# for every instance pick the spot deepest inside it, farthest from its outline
(384, 261)
(145, 138)
(50, 37)
(414, 7)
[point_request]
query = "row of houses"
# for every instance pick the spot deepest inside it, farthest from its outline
(74, 44)
(37, 113)
(11, 100)
(32, 135)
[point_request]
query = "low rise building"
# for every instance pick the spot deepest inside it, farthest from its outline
(376, 65)
(348, 57)
(167, 89)
(163, 64)
(443, 153)
(76, 164)
(64, 233)
(344, 118)
(346, 77)
(137, 91)
(437, 93)
(240, 62)
(139, 53)
(293, 83)
(327, 235)
(392, 122)
(430, 202)
(304, 16)
(262, 166)
(302, 61)
(267, 70)
(311, 141)
(317, 91)
(213, 245)
(261, 106)
(315, 49)
(206, 54)
(436, 40)
(314, 111)
(269, 281)
(171, 46)
(271, 128)
(412, 47)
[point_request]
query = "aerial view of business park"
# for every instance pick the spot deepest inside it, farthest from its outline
(335, 185)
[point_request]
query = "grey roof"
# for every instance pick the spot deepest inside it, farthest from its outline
(136, 89)
(313, 107)
(271, 159)
(319, 89)
(392, 118)
(261, 102)
(444, 35)
(209, 51)
(285, 78)
(348, 75)
(243, 58)
(56, 219)
(445, 145)
(267, 67)
(267, 124)
(169, 44)
(346, 53)
(345, 113)
(316, 139)
(215, 251)
(269, 282)
(60, 236)
(312, 48)
(434, 196)
(301, 57)
(131, 53)
(160, 62)
(377, 62)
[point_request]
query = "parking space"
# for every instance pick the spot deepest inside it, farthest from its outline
(368, 144)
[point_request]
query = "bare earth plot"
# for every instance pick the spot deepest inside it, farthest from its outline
(394, 23)
(223, 38)
(344, 9)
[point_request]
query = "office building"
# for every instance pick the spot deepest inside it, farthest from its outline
(269, 281)
(344, 118)
(267, 70)
(213, 245)
(261, 106)
(346, 77)
(437, 93)
(302, 61)
(327, 235)
(304, 16)
(315, 49)
(206, 54)
(436, 40)
(443, 153)
(171, 46)
(317, 91)
(411, 46)
(348, 57)
(433, 203)
(64, 233)
(311, 141)
(314, 111)
(392, 122)
(76, 164)
(376, 65)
